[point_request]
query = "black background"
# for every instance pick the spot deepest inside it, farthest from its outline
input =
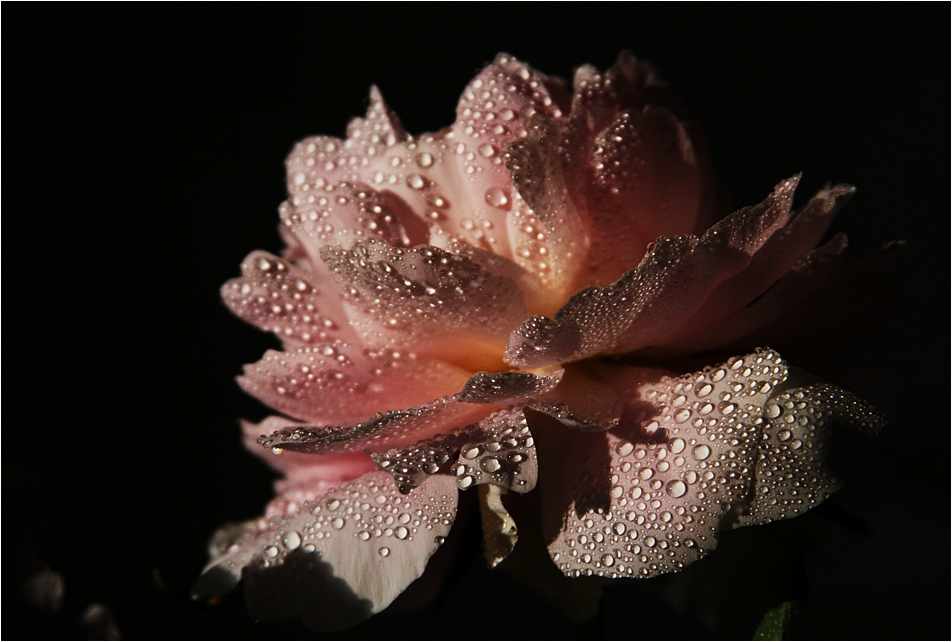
(143, 160)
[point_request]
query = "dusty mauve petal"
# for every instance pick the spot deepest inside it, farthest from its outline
(811, 273)
(549, 238)
(774, 259)
(634, 171)
(421, 290)
(341, 383)
(648, 497)
(854, 294)
(340, 558)
(298, 466)
(395, 429)
(673, 281)
(280, 297)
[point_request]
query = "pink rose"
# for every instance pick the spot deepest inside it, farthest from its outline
(499, 305)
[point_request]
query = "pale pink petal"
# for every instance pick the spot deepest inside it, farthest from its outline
(343, 213)
(339, 558)
(502, 452)
(342, 383)
(424, 290)
(452, 178)
(394, 429)
(279, 297)
(792, 474)
(648, 496)
(647, 182)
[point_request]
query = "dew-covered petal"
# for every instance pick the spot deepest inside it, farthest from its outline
(452, 178)
(300, 466)
(343, 213)
(633, 169)
(647, 182)
(792, 473)
(337, 559)
(582, 402)
(672, 281)
(500, 451)
(279, 297)
(780, 254)
(395, 429)
(549, 239)
(424, 290)
(649, 496)
(339, 382)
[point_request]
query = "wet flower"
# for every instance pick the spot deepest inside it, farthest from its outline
(492, 307)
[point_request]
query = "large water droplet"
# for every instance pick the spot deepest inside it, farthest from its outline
(384, 551)
(676, 488)
(496, 197)
(701, 452)
(490, 464)
(424, 159)
(486, 150)
(291, 540)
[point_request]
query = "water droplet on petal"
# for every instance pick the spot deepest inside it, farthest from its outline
(701, 452)
(291, 540)
(497, 197)
(676, 488)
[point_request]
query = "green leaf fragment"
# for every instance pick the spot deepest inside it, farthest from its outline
(777, 622)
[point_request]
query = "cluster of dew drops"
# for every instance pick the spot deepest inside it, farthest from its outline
(366, 514)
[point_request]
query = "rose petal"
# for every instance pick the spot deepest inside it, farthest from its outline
(502, 452)
(300, 466)
(340, 558)
(792, 475)
(422, 290)
(549, 239)
(397, 428)
(280, 297)
(671, 282)
(498, 450)
(582, 402)
(453, 177)
(774, 259)
(649, 497)
(619, 120)
(811, 273)
(347, 212)
(341, 383)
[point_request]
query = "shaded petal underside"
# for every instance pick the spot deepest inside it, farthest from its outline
(339, 558)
